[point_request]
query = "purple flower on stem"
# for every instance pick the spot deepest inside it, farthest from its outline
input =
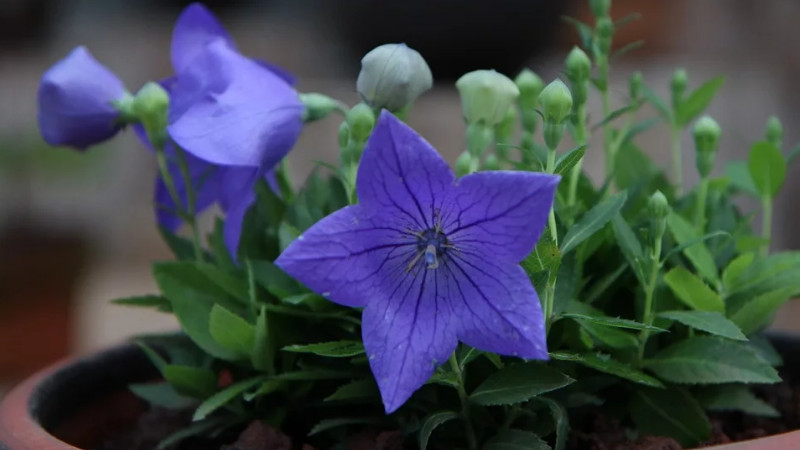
(433, 260)
(76, 101)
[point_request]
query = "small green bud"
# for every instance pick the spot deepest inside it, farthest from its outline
(360, 119)
(774, 133)
(706, 137)
(605, 32)
(492, 162)
(486, 95)
(479, 138)
(530, 86)
(504, 130)
(317, 106)
(556, 102)
(553, 133)
(344, 135)
(658, 205)
(393, 76)
(150, 106)
(635, 85)
(600, 8)
(466, 164)
(678, 86)
(578, 65)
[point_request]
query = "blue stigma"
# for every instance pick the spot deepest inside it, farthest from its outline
(432, 244)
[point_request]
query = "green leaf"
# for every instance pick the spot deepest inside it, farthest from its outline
(216, 243)
(591, 222)
(735, 398)
(545, 256)
(316, 374)
(192, 296)
(735, 268)
(738, 173)
(153, 356)
(147, 301)
(757, 313)
(191, 381)
(231, 331)
(509, 439)
(338, 349)
(561, 420)
(767, 168)
(569, 159)
(637, 129)
(182, 248)
(162, 394)
(698, 101)
(236, 287)
(672, 413)
(605, 364)
(630, 246)
(356, 390)
(703, 238)
(518, 383)
(692, 291)
(328, 424)
(273, 279)
(711, 360)
(765, 350)
(266, 388)
(793, 153)
(224, 396)
(431, 422)
(193, 429)
(585, 31)
(615, 322)
(708, 321)
(627, 48)
(657, 102)
(263, 355)
(684, 233)
(614, 114)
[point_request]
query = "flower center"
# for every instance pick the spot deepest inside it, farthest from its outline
(432, 244)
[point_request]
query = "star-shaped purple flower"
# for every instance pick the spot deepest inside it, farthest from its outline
(433, 260)
(75, 100)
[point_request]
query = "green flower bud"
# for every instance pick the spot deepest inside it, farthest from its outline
(491, 163)
(466, 164)
(774, 133)
(678, 86)
(150, 105)
(659, 209)
(360, 119)
(600, 8)
(578, 65)
(556, 102)
(486, 96)
(317, 106)
(344, 135)
(392, 76)
(605, 32)
(504, 131)
(706, 136)
(553, 133)
(530, 86)
(479, 138)
(635, 85)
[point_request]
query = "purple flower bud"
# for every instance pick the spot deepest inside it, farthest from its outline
(76, 101)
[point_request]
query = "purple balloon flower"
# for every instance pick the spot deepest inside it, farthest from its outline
(433, 260)
(76, 98)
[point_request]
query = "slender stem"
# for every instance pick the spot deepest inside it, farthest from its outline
(462, 394)
(649, 294)
(602, 64)
(549, 297)
(549, 300)
(766, 223)
(700, 213)
(581, 138)
(677, 158)
(190, 200)
(284, 182)
(550, 168)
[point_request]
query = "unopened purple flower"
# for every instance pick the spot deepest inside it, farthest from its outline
(76, 99)
(432, 260)
(226, 108)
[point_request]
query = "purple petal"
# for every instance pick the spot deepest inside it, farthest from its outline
(498, 309)
(195, 28)
(75, 101)
(240, 112)
(499, 214)
(401, 172)
(407, 334)
(234, 219)
(349, 257)
(236, 191)
(282, 73)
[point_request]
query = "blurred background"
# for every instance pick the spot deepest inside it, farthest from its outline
(77, 230)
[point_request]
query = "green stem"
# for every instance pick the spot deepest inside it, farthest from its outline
(581, 138)
(190, 200)
(766, 223)
(549, 300)
(163, 168)
(677, 158)
(284, 182)
(549, 296)
(602, 64)
(462, 394)
(649, 294)
(550, 168)
(700, 213)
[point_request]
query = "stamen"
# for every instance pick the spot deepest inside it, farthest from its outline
(414, 261)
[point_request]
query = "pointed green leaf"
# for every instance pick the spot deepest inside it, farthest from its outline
(591, 222)
(691, 290)
(161, 394)
(193, 429)
(430, 423)
(273, 279)
(569, 160)
(146, 301)
(224, 396)
(191, 381)
(657, 102)
(614, 114)
(338, 349)
(614, 322)
(708, 321)
(735, 398)
(329, 424)
(711, 360)
(561, 420)
(231, 331)
(182, 248)
(765, 350)
(233, 285)
(545, 256)
(684, 233)
(757, 313)
(738, 173)
(510, 439)
(698, 101)
(767, 168)
(263, 355)
(605, 364)
(630, 246)
(584, 31)
(356, 390)
(518, 383)
(670, 412)
(735, 269)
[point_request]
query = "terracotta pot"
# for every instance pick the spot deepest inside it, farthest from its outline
(76, 403)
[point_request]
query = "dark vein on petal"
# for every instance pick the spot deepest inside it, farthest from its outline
(403, 180)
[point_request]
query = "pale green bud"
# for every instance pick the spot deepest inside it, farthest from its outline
(150, 106)
(600, 8)
(393, 76)
(556, 102)
(774, 133)
(317, 106)
(360, 119)
(344, 135)
(678, 86)
(706, 137)
(492, 162)
(635, 85)
(578, 65)
(466, 164)
(486, 95)
(658, 205)
(530, 86)
(605, 32)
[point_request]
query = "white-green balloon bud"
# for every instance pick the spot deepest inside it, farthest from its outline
(600, 8)
(556, 102)
(659, 210)
(150, 106)
(530, 86)
(578, 65)
(706, 137)
(678, 86)
(360, 121)
(774, 133)
(317, 106)
(486, 96)
(393, 76)
(635, 85)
